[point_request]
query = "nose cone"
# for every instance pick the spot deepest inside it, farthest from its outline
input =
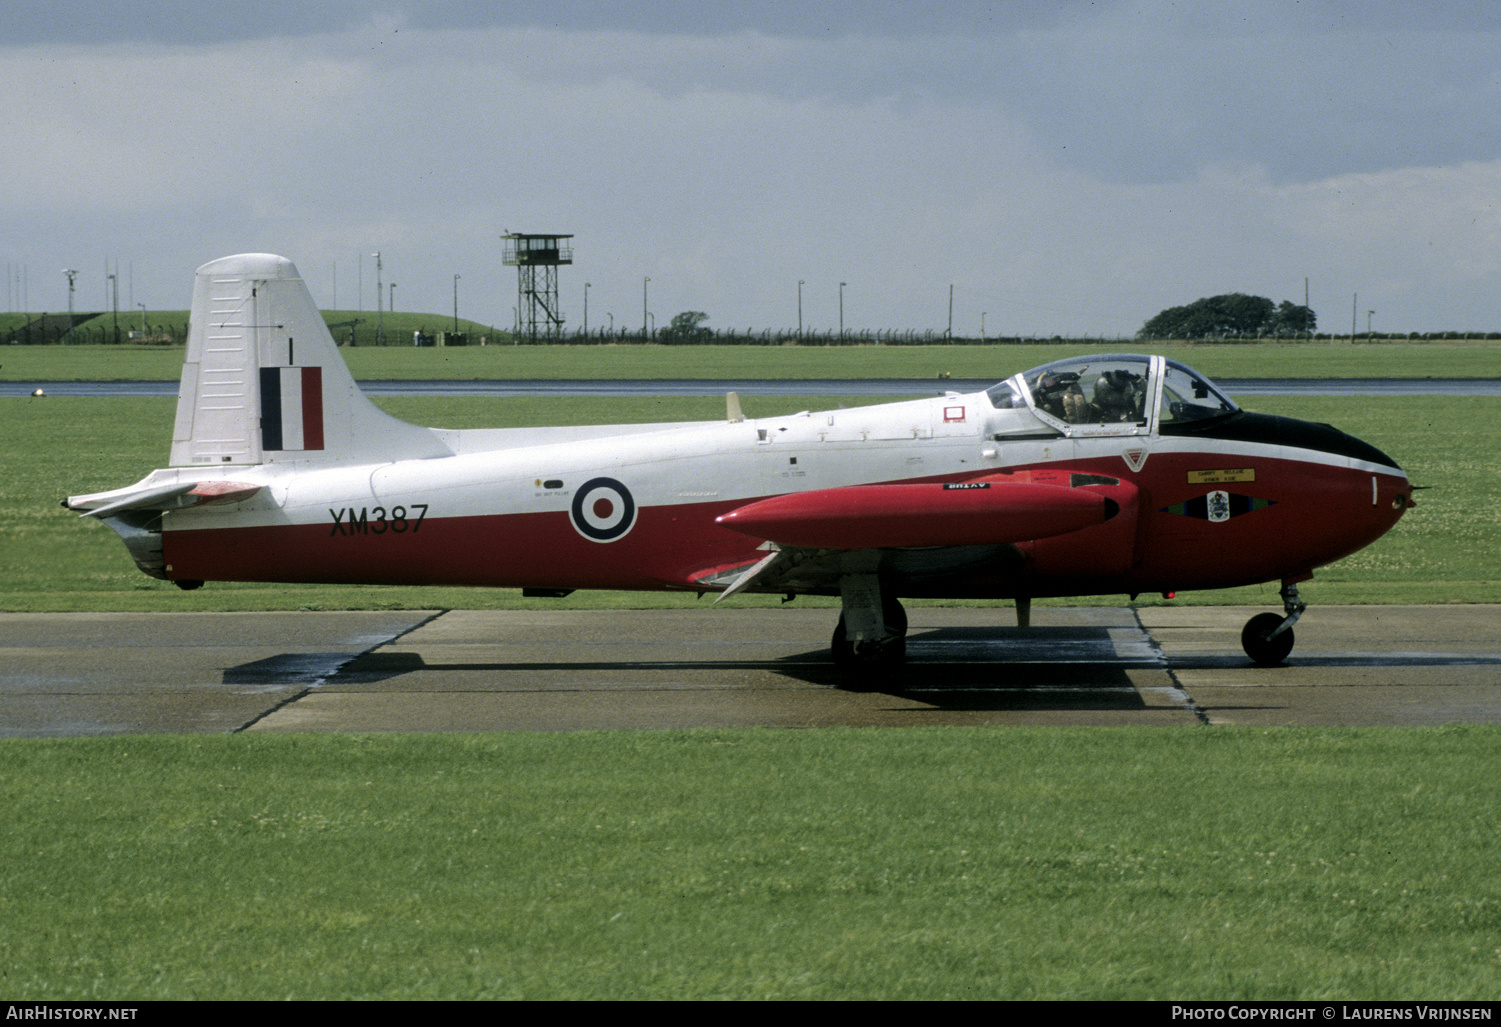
(1369, 495)
(1340, 494)
(1390, 491)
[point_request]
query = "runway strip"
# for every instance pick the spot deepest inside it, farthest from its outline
(464, 670)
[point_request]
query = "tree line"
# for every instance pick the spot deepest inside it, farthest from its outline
(1232, 314)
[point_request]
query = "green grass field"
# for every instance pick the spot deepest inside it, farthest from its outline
(913, 864)
(1323, 360)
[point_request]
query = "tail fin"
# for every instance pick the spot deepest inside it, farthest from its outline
(263, 382)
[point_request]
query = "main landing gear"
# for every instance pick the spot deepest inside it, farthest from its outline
(1268, 638)
(871, 636)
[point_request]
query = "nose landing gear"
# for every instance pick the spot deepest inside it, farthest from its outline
(1268, 638)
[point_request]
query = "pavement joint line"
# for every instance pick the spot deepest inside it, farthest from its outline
(339, 669)
(1175, 691)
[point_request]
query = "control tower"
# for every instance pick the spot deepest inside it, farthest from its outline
(536, 259)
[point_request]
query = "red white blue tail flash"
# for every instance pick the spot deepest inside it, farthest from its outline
(292, 408)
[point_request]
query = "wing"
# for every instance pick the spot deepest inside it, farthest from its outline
(929, 530)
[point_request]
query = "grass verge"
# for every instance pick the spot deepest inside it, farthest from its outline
(918, 864)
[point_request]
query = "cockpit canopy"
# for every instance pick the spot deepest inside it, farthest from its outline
(1112, 394)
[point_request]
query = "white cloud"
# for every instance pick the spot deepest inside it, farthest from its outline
(728, 167)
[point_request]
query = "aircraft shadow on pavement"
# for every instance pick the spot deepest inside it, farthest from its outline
(984, 668)
(286, 669)
(969, 668)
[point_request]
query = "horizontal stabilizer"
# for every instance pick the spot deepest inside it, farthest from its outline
(162, 497)
(929, 514)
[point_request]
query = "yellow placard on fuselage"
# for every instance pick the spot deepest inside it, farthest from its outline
(1220, 477)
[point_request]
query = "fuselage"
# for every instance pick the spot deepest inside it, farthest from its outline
(1211, 499)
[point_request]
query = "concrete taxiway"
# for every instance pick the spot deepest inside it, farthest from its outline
(465, 670)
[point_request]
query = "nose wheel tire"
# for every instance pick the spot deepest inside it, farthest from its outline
(1261, 645)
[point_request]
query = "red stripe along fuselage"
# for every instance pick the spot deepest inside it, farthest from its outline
(1294, 516)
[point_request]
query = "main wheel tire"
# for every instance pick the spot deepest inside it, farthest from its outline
(866, 664)
(844, 652)
(895, 616)
(1256, 639)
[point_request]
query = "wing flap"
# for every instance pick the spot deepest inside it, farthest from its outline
(921, 515)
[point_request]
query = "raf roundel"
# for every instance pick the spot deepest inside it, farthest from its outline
(603, 510)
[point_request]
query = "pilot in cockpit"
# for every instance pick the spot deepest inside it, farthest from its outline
(1119, 395)
(1059, 394)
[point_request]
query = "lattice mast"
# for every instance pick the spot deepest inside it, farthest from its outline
(536, 259)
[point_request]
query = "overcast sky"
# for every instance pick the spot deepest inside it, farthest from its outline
(1067, 167)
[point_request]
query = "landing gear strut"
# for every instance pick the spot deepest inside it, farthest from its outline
(1268, 638)
(871, 635)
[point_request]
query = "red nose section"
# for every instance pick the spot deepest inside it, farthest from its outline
(931, 514)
